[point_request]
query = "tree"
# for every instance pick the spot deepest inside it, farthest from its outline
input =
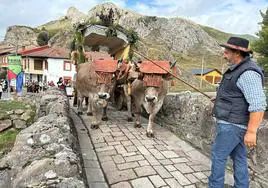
(77, 48)
(43, 38)
(261, 45)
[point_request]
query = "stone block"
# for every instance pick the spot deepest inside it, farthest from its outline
(134, 158)
(145, 171)
(183, 168)
(169, 154)
(157, 181)
(142, 182)
(162, 172)
(121, 185)
(127, 165)
(180, 178)
(94, 175)
(119, 176)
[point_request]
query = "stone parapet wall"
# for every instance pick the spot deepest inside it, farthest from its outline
(45, 153)
(189, 116)
(19, 118)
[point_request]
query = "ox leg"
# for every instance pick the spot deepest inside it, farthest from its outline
(89, 106)
(104, 114)
(75, 98)
(86, 100)
(128, 98)
(97, 107)
(150, 127)
(80, 105)
(137, 114)
(96, 118)
(137, 123)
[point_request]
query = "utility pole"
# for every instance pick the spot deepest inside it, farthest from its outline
(202, 70)
(16, 53)
(222, 66)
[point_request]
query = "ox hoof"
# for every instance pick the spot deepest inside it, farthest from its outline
(150, 134)
(89, 114)
(79, 113)
(137, 125)
(129, 119)
(104, 118)
(94, 126)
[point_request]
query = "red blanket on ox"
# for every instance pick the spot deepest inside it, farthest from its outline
(105, 65)
(150, 68)
(104, 69)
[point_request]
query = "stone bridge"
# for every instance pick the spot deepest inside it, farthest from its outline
(117, 155)
(61, 150)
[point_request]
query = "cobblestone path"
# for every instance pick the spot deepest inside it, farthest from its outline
(121, 156)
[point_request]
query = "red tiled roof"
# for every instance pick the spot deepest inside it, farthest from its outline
(7, 50)
(47, 51)
(26, 51)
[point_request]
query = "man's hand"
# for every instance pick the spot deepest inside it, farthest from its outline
(250, 139)
(255, 119)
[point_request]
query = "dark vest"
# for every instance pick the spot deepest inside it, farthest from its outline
(230, 104)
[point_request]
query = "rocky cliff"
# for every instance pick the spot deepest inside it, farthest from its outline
(174, 34)
(20, 36)
(160, 38)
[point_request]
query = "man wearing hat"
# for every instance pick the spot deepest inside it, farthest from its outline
(239, 109)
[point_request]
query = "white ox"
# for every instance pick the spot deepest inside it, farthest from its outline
(95, 81)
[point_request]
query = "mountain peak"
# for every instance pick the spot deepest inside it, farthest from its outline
(73, 13)
(107, 5)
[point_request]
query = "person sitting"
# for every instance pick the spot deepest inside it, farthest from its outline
(60, 83)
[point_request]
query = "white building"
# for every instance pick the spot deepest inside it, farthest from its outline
(48, 64)
(59, 68)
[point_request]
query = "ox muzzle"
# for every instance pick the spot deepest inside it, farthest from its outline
(105, 96)
(150, 99)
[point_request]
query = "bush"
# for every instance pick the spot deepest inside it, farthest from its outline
(42, 38)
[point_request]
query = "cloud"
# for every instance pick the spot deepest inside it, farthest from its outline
(34, 13)
(240, 16)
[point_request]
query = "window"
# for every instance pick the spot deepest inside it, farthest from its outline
(46, 65)
(209, 78)
(38, 64)
(217, 79)
(67, 66)
(25, 63)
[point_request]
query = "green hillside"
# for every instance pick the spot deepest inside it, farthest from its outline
(54, 27)
(222, 37)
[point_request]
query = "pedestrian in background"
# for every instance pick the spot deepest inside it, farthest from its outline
(1, 89)
(239, 108)
(60, 83)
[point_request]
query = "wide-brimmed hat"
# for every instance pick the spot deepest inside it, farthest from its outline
(237, 43)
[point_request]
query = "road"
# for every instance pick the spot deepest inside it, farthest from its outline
(118, 155)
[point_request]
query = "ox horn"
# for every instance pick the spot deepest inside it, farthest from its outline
(173, 64)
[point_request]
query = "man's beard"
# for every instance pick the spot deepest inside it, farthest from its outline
(228, 62)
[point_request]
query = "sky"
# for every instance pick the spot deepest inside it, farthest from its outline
(233, 16)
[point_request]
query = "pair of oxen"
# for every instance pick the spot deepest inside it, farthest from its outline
(145, 84)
